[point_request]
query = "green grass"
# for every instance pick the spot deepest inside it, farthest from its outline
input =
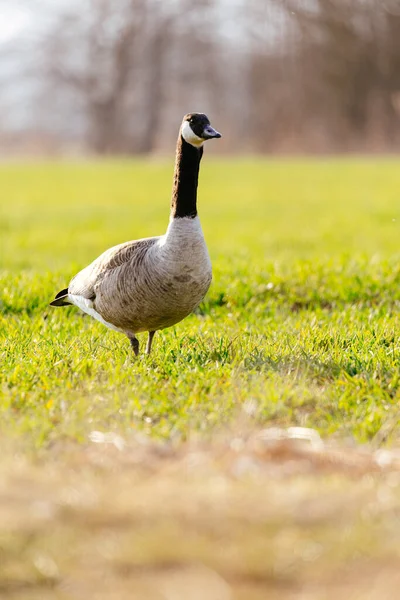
(300, 327)
(124, 478)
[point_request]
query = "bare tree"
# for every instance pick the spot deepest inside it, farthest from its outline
(91, 53)
(305, 75)
(346, 47)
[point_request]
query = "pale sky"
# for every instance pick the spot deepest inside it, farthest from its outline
(13, 20)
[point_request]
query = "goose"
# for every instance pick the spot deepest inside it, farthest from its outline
(152, 283)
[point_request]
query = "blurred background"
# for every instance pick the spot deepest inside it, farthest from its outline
(275, 76)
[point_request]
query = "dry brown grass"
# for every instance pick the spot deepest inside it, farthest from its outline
(258, 516)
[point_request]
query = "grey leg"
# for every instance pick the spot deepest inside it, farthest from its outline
(149, 341)
(135, 344)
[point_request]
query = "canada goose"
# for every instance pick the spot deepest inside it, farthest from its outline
(153, 283)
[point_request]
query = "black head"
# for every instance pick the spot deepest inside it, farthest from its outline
(196, 129)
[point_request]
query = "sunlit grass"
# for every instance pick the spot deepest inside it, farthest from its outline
(124, 478)
(301, 320)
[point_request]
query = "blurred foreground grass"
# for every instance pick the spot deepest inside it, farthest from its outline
(256, 518)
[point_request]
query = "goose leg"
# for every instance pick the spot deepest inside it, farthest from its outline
(149, 341)
(135, 344)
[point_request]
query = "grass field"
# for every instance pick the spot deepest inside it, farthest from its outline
(300, 328)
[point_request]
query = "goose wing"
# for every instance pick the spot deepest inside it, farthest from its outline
(84, 284)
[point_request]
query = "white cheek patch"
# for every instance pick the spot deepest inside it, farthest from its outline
(190, 137)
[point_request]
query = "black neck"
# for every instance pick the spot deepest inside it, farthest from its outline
(186, 176)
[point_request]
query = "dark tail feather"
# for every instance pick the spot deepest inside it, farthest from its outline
(59, 300)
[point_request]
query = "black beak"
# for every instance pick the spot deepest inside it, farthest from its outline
(209, 132)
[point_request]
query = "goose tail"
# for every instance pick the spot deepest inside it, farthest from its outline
(60, 299)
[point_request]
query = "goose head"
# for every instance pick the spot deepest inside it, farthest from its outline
(196, 129)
